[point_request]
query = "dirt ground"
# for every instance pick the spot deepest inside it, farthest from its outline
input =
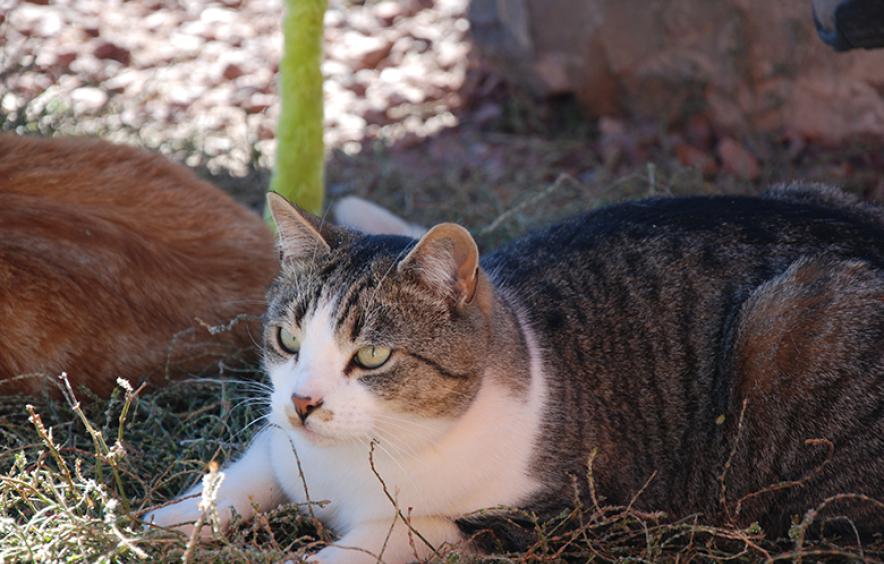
(414, 120)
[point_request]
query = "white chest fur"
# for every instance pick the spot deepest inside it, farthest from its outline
(481, 461)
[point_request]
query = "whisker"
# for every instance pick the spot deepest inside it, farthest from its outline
(408, 424)
(380, 444)
(232, 381)
(404, 448)
(250, 403)
(405, 475)
(244, 429)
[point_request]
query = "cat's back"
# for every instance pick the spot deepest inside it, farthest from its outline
(644, 309)
(107, 252)
(783, 221)
(141, 191)
(668, 273)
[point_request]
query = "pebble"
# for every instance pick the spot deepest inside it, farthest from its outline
(232, 71)
(690, 156)
(88, 99)
(737, 160)
(106, 50)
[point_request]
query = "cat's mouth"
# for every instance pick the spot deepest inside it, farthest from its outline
(311, 434)
(299, 426)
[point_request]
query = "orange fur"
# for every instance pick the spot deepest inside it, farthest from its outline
(113, 261)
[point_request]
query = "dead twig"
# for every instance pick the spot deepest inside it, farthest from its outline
(788, 484)
(395, 504)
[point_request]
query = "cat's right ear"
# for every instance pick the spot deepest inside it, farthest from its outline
(299, 236)
(446, 259)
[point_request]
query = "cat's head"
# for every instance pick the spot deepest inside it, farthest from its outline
(365, 334)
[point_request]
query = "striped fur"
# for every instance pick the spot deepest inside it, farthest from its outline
(663, 315)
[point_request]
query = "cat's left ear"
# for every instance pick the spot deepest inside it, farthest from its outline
(447, 260)
(301, 235)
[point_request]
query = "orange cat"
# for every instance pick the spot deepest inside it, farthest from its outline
(115, 262)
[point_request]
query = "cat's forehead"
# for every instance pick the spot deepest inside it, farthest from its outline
(342, 277)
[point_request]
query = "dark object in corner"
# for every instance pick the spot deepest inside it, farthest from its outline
(850, 24)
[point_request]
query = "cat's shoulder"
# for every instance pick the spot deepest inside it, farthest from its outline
(787, 203)
(790, 201)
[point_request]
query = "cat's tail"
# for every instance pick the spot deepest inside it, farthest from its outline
(372, 219)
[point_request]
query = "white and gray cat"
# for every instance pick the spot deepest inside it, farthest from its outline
(638, 332)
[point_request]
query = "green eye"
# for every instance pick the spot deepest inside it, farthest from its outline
(372, 357)
(287, 341)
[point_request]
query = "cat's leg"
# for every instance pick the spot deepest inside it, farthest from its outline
(248, 484)
(370, 540)
(808, 360)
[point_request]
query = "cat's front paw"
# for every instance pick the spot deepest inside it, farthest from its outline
(182, 516)
(338, 555)
(393, 543)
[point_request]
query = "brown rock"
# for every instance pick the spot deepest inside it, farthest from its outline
(374, 116)
(65, 58)
(699, 131)
(358, 88)
(257, 103)
(106, 50)
(690, 156)
(232, 71)
(373, 51)
(736, 160)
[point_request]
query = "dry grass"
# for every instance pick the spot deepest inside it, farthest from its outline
(76, 480)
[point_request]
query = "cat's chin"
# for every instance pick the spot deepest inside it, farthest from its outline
(315, 437)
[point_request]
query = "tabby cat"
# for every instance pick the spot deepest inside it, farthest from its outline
(662, 338)
(115, 262)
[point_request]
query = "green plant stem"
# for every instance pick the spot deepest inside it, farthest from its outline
(298, 172)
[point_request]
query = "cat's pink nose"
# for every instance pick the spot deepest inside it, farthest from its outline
(305, 405)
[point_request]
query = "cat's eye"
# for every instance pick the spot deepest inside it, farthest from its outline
(372, 356)
(287, 341)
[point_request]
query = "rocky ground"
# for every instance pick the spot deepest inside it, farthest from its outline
(197, 79)
(413, 118)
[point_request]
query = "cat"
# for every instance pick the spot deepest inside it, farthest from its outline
(116, 262)
(698, 349)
